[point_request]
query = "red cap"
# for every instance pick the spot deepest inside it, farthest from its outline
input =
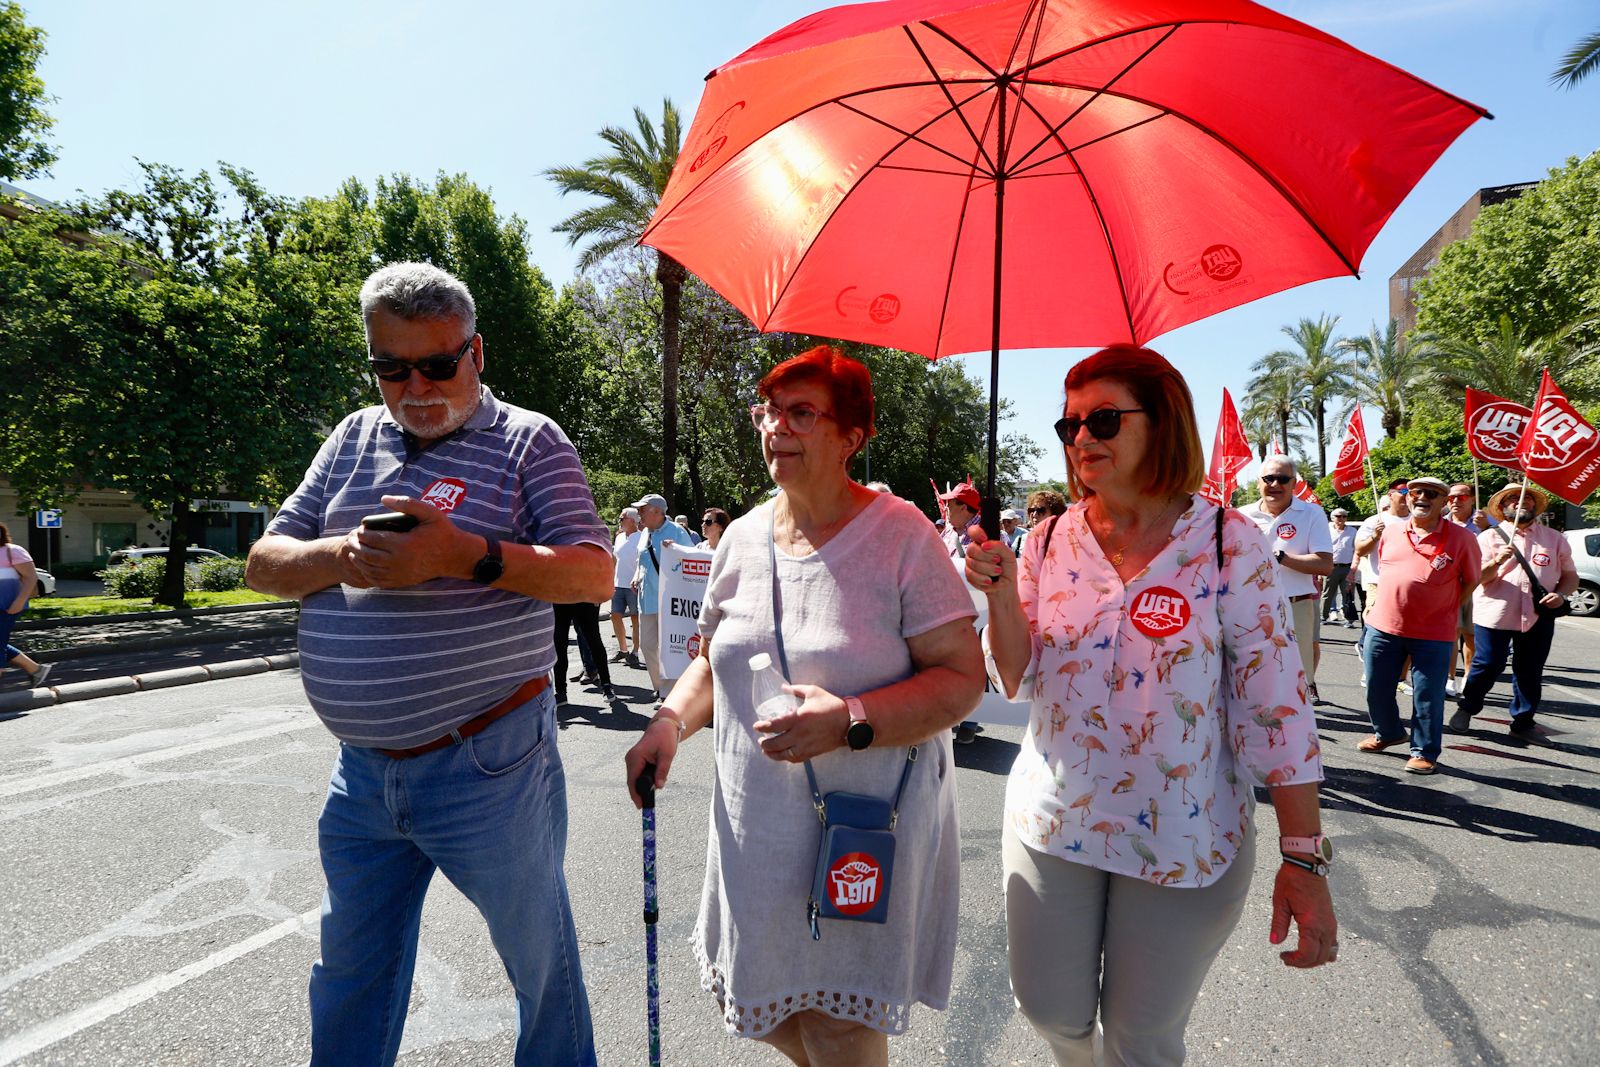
(967, 493)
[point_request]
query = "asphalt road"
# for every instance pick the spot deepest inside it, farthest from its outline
(161, 885)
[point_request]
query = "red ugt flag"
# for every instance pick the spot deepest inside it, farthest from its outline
(1350, 472)
(1494, 428)
(1559, 450)
(1230, 454)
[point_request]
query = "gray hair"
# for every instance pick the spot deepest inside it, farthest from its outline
(1278, 461)
(631, 513)
(880, 487)
(418, 291)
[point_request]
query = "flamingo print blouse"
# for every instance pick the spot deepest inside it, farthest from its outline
(1135, 761)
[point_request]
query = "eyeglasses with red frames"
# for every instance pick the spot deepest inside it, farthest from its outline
(800, 418)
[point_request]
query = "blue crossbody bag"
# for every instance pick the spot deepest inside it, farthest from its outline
(855, 857)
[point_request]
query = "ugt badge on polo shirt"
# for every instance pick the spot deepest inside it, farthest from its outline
(445, 494)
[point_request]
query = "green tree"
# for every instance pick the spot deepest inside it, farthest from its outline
(626, 184)
(194, 356)
(1530, 259)
(534, 356)
(1385, 372)
(24, 123)
(1579, 62)
(1506, 364)
(1272, 398)
(1308, 378)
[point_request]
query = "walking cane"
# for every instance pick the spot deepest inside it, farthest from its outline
(645, 785)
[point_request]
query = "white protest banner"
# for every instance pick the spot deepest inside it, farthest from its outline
(684, 572)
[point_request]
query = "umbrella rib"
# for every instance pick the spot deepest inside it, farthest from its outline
(950, 271)
(912, 135)
(1230, 146)
(949, 96)
(1047, 160)
(924, 170)
(1100, 91)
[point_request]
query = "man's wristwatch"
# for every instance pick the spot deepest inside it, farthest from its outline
(488, 570)
(860, 733)
(1318, 847)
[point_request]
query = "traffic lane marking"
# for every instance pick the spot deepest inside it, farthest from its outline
(61, 1027)
(50, 779)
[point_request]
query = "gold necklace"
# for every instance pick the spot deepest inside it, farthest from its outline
(1117, 556)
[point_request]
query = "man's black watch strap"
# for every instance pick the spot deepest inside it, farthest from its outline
(488, 570)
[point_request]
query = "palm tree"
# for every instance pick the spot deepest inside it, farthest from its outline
(627, 183)
(1271, 400)
(1581, 61)
(1385, 371)
(1509, 366)
(1319, 370)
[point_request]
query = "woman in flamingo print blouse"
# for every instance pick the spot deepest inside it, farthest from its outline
(1129, 840)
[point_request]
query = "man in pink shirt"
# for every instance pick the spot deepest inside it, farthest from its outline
(1506, 617)
(1429, 566)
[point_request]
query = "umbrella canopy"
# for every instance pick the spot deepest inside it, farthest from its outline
(948, 176)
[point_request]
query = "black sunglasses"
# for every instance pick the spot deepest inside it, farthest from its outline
(1277, 479)
(1103, 424)
(1038, 511)
(433, 368)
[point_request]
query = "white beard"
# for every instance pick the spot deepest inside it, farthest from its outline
(456, 416)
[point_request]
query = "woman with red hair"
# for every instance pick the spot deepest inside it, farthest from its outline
(876, 631)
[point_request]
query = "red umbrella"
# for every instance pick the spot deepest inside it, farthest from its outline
(1103, 170)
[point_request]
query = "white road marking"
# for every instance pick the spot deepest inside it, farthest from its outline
(1572, 694)
(62, 1027)
(49, 779)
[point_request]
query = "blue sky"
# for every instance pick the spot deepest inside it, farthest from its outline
(306, 94)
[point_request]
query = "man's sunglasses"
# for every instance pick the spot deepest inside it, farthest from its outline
(1103, 424)
(1425, 494)
(1277, 479)
(433, 368)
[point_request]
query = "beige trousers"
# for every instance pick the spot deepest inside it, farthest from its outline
(1084, 943)
(1304, 613)
(650, 645)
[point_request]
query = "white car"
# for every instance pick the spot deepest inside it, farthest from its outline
(196, 555)
(1586, 557)
(47, 583)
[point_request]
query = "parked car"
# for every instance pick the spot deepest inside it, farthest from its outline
(196, 556)
(47, 583)
(1586, 557)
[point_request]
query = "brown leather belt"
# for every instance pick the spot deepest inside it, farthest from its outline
(477, 724)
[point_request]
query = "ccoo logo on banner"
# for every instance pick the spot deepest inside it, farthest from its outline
(684, 574)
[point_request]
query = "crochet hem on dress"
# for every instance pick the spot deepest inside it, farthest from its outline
(756, 1020)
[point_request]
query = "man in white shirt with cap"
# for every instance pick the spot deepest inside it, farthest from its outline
(1298, 534)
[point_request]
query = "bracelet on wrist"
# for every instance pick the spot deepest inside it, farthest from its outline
(668, 715)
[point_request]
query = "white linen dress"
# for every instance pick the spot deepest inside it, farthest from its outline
(847, 610)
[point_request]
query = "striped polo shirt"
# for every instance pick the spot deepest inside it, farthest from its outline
(393, 668)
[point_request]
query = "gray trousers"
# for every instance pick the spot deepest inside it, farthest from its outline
(1083, 942)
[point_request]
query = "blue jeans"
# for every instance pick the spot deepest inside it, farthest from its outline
(1385, 655)
(491, 813)
(1528, 653)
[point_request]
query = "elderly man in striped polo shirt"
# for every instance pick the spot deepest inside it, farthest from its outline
(427, 652)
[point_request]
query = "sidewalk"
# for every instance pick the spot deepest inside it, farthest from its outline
(106, 655)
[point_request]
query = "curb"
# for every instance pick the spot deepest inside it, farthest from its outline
(31, 699)
(145, 616)
(147, 644)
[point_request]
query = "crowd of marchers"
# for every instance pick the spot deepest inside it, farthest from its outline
(443, 544)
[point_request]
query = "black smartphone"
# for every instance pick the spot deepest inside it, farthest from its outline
(393, 521)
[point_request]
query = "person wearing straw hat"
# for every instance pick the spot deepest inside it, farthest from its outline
(1507, 616)
(1428, 566)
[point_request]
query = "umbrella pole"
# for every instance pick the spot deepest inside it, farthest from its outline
(991, 502)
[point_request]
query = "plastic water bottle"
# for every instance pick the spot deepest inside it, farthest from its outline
(766, 689)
